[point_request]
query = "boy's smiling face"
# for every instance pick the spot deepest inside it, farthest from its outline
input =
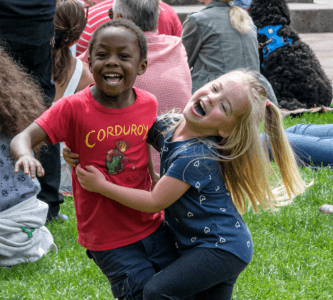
(115, 62)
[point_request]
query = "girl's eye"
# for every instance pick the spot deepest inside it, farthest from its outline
(223, 106)
(214, 88)
(124, 55)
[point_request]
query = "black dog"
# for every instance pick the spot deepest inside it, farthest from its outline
(288, 63)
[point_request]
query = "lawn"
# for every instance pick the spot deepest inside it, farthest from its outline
(292, 255)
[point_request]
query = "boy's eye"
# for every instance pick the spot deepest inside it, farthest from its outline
(101, 54)
(124, 55)
(214, 88)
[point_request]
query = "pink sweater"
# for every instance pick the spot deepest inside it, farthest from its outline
(168, 22)
(168, 75)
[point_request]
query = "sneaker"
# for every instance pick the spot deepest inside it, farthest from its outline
(326, 209)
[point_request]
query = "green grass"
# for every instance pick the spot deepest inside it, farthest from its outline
(292, 252)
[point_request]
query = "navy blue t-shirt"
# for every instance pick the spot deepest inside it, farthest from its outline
(27, 22)
(205, 216)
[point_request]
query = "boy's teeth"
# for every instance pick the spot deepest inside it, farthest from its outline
(112, 78)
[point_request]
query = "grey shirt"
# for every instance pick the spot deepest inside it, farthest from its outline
(14, 187)
(214, 47)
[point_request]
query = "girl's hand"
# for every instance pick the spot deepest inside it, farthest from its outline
(90, 179)
(30, 165)
(69, 157)
(155, 177)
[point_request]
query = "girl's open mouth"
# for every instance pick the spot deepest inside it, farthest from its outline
(199, 108)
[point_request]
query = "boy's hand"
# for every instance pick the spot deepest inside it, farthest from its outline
(69, 157)
(90, 179)
(30, 165)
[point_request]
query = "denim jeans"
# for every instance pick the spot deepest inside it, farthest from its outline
(203, 273)
(129, 268)
(311, 143)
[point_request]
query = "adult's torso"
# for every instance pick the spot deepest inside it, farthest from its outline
(27, 23)
(223, 49)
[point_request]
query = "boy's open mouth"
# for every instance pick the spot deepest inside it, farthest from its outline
(199, 108)
(112, 78)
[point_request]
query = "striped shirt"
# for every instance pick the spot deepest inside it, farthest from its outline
(168, 22)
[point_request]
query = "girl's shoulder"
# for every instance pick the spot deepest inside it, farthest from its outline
(86, 78)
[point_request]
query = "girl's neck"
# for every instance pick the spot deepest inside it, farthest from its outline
(121, 101)
(184, 132)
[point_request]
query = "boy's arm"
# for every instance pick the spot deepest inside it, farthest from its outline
(155, 177)
(21, 146)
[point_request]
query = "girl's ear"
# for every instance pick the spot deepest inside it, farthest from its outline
(143, 67)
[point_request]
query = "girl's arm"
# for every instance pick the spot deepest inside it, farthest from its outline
(21, 146)
(167, 190)
(155, 177)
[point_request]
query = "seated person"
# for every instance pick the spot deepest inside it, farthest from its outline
(23, 236)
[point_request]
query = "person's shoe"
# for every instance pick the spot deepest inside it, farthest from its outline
(326, 209)
(61, 217)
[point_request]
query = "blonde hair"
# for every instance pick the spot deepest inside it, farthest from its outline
(245, 165)
(239, 19)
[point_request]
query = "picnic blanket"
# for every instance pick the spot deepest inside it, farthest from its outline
(23, 236)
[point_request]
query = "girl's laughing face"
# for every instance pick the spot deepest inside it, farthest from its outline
(213, 109)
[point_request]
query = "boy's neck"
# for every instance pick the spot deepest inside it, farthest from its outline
(121, 101)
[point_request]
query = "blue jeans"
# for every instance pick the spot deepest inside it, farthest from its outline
(203, 273)
(313, 144)
(129, 268)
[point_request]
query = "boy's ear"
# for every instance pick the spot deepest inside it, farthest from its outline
(143, 67)
(89, 64)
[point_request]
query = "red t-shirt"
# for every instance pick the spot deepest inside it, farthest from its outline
(168, 22)
(114, 141)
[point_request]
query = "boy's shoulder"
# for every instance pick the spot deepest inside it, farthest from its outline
(79, 97)
(145, 96)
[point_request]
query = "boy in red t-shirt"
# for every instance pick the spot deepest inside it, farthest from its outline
(107, 125)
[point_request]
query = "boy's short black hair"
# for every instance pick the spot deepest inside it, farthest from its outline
(126, 24)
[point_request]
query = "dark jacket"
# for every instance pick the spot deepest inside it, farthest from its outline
(214, 48)
(27, 23)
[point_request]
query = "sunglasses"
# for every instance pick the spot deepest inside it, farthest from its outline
(110, 12)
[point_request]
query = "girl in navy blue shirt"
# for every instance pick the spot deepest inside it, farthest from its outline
(211, 158)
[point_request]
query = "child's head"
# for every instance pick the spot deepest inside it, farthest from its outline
(228, 105)
(141, 40)
(69, 23)
(21, 100)
(232, 107)
(117, 54)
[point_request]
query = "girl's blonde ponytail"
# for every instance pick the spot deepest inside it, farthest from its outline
(239, 19)
(283, 154)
